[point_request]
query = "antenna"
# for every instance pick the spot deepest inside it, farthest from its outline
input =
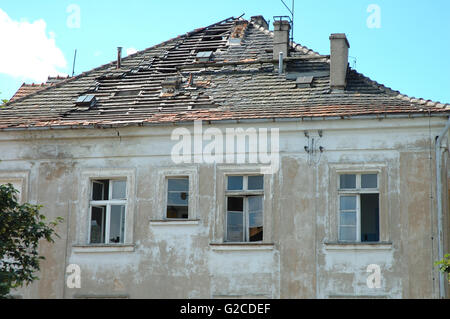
(354, 61)
(292, 12)
(74, 60)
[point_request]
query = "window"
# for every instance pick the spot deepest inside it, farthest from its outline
(244, 207)
(178, 197)
(108, 208)
(359, 208)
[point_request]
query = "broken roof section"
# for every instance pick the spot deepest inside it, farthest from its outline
(206, 75)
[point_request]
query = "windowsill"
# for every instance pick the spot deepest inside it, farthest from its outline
(342, 246)
(175, 222)
(242, 246)
(112, 296)
(122, 248)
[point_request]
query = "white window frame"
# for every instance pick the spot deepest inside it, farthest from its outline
(83, 218)
(161, 189)
(108, 203)
(357, 191)
(166, 187)
(245, 194)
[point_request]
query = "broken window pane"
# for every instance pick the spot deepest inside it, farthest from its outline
(235, 183)
(178, 198)
(369, 181)
(100, 189)
(119, 189)
(256, 182)
(117, 224)
(98, 216)
(235, 204)
(370, 218)
(348, 181)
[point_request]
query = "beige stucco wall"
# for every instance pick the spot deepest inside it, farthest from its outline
(301, 258)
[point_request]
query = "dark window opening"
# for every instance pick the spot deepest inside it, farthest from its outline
(100, 190)
(98, 219)
(370, 224)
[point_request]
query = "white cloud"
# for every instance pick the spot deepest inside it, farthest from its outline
(131, 51)
(27, 51)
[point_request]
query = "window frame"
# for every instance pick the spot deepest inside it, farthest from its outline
(108, 203)
(331, 199)
(219, 213)
(84, 208)
(161, 191)
(357, 192)
(245, 193)
(166, 187)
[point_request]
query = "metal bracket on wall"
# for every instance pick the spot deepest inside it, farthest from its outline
(313, 147)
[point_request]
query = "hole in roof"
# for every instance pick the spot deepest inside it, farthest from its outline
(128, 93)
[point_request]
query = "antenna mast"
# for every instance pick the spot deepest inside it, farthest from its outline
(74, 60)
(292, 12)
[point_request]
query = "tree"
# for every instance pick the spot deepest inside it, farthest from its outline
(3, 101)
(444, 265)
(21, 229)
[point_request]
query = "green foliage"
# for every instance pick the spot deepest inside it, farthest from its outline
(3, 101)
(21, 229)
(444, 265)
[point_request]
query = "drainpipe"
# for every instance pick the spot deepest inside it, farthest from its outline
(280, 64)
(439, 205)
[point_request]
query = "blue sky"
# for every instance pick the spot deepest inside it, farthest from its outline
(409, 52)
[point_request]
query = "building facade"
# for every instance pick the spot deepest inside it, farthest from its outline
(212, 166)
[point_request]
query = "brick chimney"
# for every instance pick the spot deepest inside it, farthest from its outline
(281, 32)
(339, 61)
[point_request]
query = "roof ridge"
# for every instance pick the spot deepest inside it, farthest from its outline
(306, 50)
(413, 100)
(296, 46)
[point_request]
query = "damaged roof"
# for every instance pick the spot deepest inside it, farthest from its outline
(221, 72)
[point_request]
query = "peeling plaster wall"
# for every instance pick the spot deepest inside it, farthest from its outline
(176, 260)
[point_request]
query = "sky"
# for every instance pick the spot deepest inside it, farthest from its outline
(403, 44)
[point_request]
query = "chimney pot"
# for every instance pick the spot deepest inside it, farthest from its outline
(281, 32)
(339, 61)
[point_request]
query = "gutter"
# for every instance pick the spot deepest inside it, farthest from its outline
(141, 123)
(438, 158)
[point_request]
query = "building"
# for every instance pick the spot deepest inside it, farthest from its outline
(329, 185)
